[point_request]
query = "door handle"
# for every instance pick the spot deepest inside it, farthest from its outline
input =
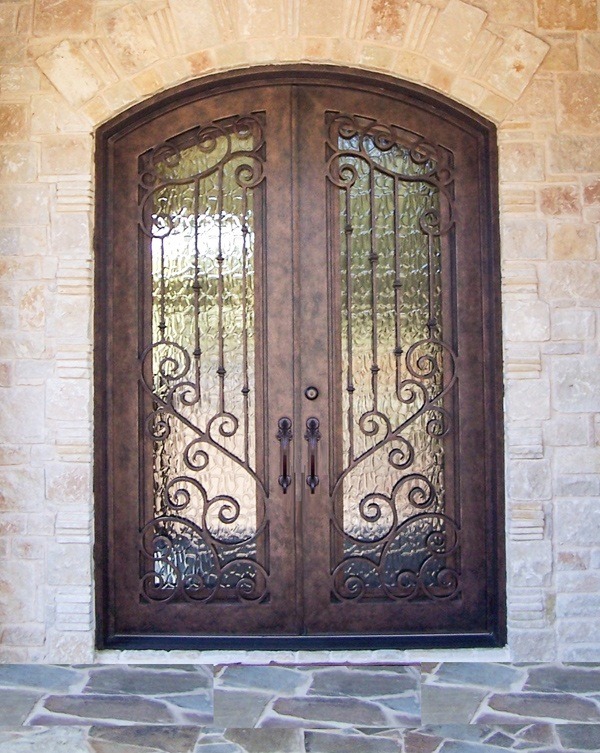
(312, 436)
(284, 435)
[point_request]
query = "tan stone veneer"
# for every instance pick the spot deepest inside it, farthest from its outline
(532, 66)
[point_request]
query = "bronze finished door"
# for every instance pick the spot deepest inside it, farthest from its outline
(298, 401)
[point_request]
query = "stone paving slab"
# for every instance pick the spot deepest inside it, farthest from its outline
(433, 708)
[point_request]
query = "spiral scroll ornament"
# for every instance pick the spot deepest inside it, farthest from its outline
(196, 216)
(394, 537)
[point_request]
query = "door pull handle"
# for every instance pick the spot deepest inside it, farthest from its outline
(312, 436)
(284, 435)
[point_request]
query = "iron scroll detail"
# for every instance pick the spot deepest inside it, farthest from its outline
(207, 533)
(393, 532)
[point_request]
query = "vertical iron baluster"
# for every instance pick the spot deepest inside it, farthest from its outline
(246, 387)
(432, 323)
(373, 258)
(221, 368)
(397, 286)
(196, 287)
(162, 325)
(348, 230)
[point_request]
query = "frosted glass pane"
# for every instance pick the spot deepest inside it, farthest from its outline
(199, 213)
(396, 536)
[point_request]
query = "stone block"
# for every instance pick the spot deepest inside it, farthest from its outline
(378, 57)
(529, 480)
(528, 399)
(385, 20)
(71, 317)
(453, 32)
(12, 524)
(577, 485)
(579, 102)
(537, 102)
(573, 324)
(562, 55)
(319, 20)
(71, 73)
(129, 40)
(590, 51)
(579, 522)
(66, 154)
(525, 441)
(18, 584)
(6, 374)
(575, 154)
(526, 321)
(62, 17)
(68, 483)
(521, 161)
(13, 122)
(68, 564)
(560, 200)
(200, 24)
(571, 283)
(23, 635)
(573, 560)
(565, 430)
(18, 163)
(29, 204)
(573, 581)
(29, 548)
(512, 68)
(591, 191)
(17, 80)
(22, 415)
(258, 19)
(495, 107)
(555, 14)
(571, 241)
(9, 15)
(66, 398)
(578, 605)
(576, 384)
(530, 563)
(21, 488)
(32, 308)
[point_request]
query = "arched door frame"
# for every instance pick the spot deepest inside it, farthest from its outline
(105, 171)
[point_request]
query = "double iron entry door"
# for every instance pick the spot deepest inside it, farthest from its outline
(298, 380)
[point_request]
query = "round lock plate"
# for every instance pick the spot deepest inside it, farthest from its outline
(311, 393)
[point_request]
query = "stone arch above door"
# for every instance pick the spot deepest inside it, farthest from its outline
(135, 51)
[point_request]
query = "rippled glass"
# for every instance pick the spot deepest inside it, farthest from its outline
(203, 363)
(391, 315)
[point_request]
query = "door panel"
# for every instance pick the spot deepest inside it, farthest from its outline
(391, 553)
(299, 433)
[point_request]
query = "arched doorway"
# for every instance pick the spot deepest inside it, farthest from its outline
(298, 381)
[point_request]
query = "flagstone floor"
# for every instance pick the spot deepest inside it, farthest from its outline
(424, 708)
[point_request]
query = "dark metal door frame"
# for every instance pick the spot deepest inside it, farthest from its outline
(302, 562)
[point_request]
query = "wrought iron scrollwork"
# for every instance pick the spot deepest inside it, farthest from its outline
(396, 203)
(196, 215)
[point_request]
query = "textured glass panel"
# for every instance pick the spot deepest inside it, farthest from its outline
(199, 212)
(395, 530)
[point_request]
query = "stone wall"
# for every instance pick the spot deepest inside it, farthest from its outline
(532, 66)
